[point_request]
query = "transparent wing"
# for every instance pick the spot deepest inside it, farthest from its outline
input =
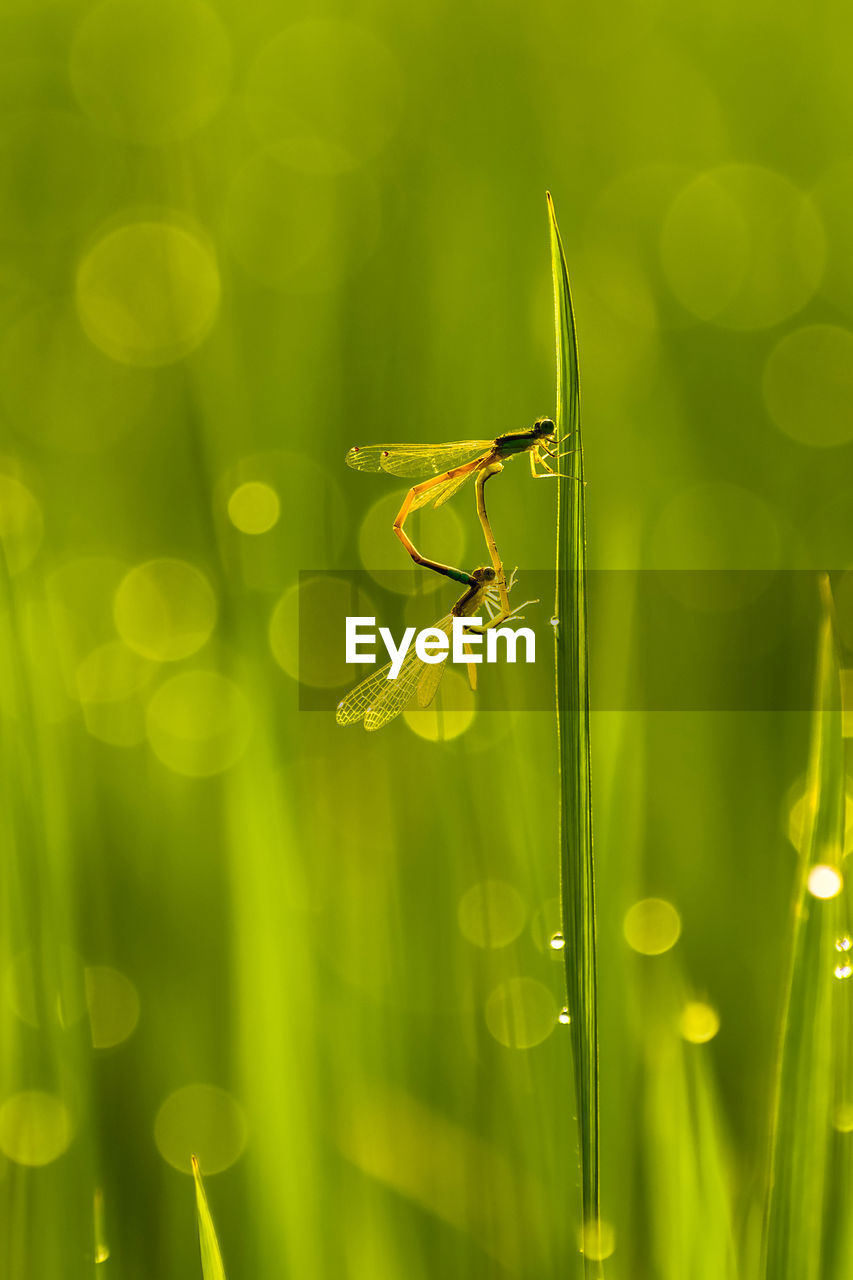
(440, 493)
(395, 697)
(429, 682)
(450, 487)
(352, 708)
(398, 693)
(414, 460)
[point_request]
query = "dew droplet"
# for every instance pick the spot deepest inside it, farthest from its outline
(564, 1016)
(843, 970)
(555, 621)
(557, 942)
(843, 943)
(824, 881)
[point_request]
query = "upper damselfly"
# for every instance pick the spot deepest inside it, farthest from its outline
(446, 468)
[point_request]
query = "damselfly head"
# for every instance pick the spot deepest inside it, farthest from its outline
(484, 575)
(544, 428)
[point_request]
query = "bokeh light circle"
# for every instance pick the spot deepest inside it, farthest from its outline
(301, 233)
(742, 246)
(198, 723)
(164, 609)
(201, 1120)
(449, 715)
(716, 526)
(315, 609)
(808, 385)
(254, 507)
(327, 93)
(621, 248)
(148, 293)
(699, 1022)
(521, 1013)
(440, 535)
(113, 1004)
(491, 913)
(314, 538)
(705, 247)
(824, 881)
(150, 71)
(21, 524)
(35, 1128)
(651, 926)
(621, 360)
(802, 801)
(597, 1240)
(62, 391)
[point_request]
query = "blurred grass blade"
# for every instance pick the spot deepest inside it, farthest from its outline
(688, 1167)
(102, 1249)
(806, 1072)
(576, 854)
(211, 1258)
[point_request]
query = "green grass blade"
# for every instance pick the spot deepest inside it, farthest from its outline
(211, 1258)
(576, 853)
(806, 1074)
(688, 1169)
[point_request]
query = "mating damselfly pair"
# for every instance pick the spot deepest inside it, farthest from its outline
(445, 469)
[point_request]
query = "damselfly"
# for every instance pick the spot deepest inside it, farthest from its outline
(377, 700)
(447, 467)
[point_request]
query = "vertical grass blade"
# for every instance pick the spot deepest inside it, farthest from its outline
(806, 1075)
(211, 1258)
(575, 798)
(688, 1169)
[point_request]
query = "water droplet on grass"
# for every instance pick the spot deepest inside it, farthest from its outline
(824, 881)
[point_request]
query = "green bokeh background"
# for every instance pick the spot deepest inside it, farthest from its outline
(236, 239)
